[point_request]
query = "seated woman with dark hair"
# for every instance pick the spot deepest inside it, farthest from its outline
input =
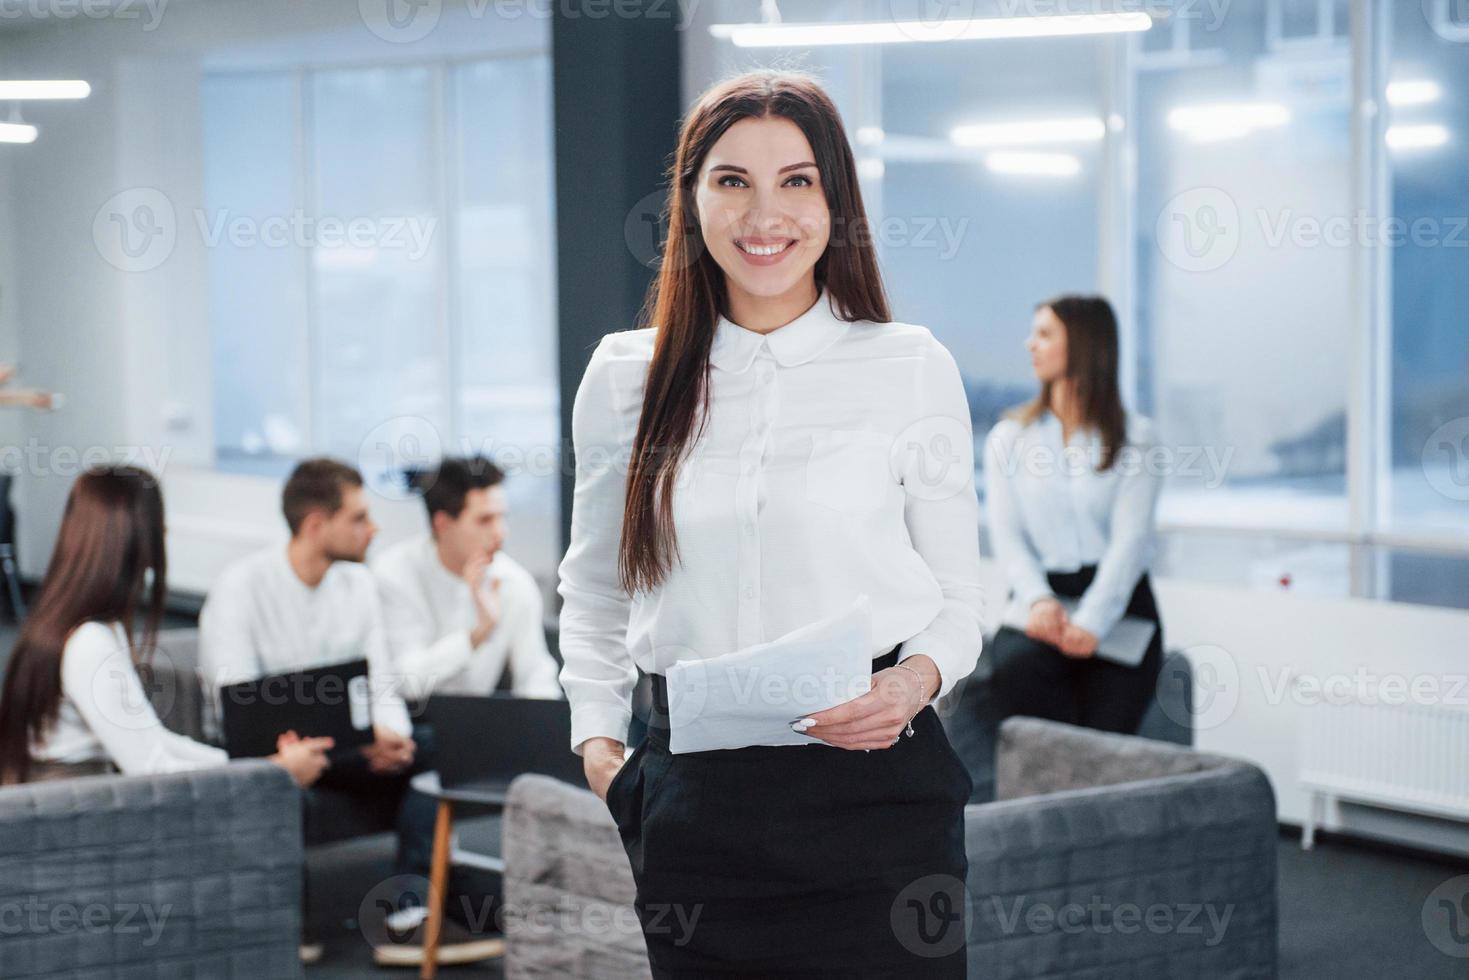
(1070, 500)
(73, 702)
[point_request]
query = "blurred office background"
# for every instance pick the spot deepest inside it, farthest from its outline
(382, 231)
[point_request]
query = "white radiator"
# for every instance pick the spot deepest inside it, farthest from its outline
(1412, 757)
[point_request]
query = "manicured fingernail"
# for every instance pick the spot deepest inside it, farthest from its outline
(806, 721)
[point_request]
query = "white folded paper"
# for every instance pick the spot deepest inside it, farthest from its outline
(751, 696)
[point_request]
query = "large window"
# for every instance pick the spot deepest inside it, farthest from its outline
(1425, 273)
(1222, 177)
(381, 270)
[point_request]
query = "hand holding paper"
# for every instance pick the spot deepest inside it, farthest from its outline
(750, 696)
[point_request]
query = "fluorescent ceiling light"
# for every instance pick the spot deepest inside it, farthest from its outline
(1226, 121)
(1417, 137)
(1413, 92)
(1032, 164)
(870, 135)
(39, 89)
(1029, 132)
(783, 35)
(871, 168)
(17, 133)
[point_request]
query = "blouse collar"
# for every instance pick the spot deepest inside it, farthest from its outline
(801, 340)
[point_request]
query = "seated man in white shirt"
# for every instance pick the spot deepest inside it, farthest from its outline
(310, 603)
(458, 610)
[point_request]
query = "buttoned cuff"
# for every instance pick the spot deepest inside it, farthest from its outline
(392, 713)
(953, 664)
(599, 721)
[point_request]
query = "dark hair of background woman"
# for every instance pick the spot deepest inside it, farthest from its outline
(1091, 360)
(687, 297)
(111, 536)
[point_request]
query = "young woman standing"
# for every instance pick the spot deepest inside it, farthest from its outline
(788, 448)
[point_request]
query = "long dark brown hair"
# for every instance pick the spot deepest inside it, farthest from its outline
(1091, 363)
(688, 295)
(111, 537)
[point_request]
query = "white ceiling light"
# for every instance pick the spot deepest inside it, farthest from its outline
(779, 35)
(1012, 162)
(1225, 121)
(1029, 132)
(1413, 92)
(870, 135)
(41, 89)
(17, 133)
(1417, 137)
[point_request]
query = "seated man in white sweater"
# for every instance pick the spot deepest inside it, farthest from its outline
(310, 603)
(459, 611)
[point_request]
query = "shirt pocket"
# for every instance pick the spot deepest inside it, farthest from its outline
(848, 470)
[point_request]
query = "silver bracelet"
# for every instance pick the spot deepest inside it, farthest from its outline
(921, 685)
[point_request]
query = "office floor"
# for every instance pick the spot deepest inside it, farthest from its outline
(1347, 911)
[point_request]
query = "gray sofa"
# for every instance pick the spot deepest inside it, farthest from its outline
(1087, 828)
(186, 875)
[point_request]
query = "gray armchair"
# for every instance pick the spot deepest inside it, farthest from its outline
(189, 874)
(1109, 856)
(568, 887)
(1088, 827)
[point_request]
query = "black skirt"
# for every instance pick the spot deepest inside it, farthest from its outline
(798, 860)
(1031, 677)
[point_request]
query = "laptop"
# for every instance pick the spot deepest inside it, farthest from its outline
(333, 700)
(483, 742)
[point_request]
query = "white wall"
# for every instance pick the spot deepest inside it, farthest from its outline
(131, 349)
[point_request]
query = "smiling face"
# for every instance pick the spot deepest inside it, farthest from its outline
(762, 208)
(1047, 345)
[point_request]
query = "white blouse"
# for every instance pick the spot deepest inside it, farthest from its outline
(1048, 510)
(261, 619)
(105, 712)
(429, 614)
(838, 460)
